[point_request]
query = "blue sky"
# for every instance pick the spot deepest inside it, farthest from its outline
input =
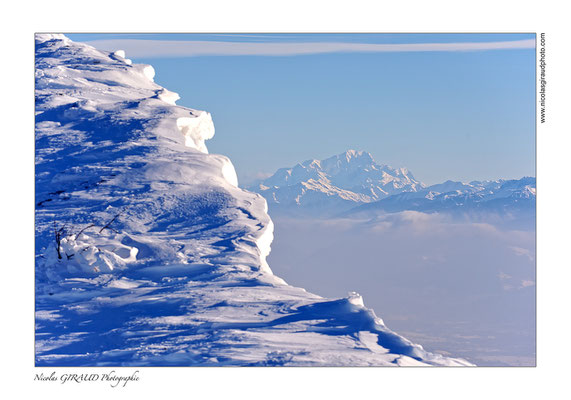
(444, 112)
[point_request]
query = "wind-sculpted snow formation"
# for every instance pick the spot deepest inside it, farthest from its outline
(147, 252)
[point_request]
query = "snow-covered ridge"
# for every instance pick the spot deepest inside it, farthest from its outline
(147, 252)
(499, 197)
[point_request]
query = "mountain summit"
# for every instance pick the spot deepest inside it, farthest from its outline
(334, 184)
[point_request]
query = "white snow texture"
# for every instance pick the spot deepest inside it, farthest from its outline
(148, 253)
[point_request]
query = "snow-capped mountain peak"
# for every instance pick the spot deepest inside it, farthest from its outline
(348, 160)
(334, 184)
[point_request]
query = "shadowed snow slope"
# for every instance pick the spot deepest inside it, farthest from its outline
(147, 252)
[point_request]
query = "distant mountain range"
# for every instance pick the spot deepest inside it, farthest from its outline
(352, 183)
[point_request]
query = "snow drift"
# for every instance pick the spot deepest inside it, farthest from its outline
(147, 252)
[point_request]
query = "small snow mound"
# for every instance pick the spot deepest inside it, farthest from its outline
(356, 299)
(146, 70)
(229, 173)
(149, 72)
(168, 97)
(119, 53)
(196, 130)
(94, 253)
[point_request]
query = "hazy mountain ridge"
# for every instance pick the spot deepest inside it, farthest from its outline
(500, 197)
(353, 183)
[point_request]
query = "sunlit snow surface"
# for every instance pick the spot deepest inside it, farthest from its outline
(161, 256)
